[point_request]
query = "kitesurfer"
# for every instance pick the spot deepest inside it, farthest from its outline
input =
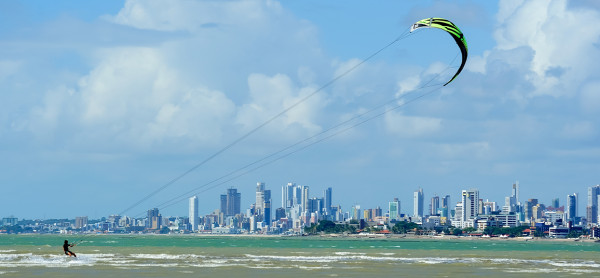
(66, 248)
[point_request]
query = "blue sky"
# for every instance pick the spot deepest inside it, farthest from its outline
(103, 102)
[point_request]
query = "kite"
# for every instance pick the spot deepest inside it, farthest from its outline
(446, 25)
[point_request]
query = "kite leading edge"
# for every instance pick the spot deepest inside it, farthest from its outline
(446, 25)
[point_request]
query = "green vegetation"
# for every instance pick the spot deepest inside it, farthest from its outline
(469, 230)
(403, 227)
(326, 226)
(513, 232)
(575, 234)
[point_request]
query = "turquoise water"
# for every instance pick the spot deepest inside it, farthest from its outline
(192, 256)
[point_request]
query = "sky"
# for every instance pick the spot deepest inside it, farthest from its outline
(105, 102)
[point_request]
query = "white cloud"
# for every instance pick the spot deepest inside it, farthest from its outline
(270, 96)
(45, 119)
(164, 15)
(134, 97)
(192, 88)
(563, 41)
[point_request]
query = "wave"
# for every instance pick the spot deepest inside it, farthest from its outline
(295, 260)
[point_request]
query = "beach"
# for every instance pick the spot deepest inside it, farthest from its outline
(276, 256)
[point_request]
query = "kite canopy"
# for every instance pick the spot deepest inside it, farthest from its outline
(446, 25)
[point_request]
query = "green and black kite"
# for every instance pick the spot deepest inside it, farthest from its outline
(446, 25)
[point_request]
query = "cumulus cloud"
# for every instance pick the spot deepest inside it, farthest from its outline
(134, 97)
(270, 96)
(564, 49)
(198, 88)
(164, 15)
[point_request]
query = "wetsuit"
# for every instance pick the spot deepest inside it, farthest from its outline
(66, 248)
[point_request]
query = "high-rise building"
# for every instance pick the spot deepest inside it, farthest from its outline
(511, 204)
(154, 220)
(263, 199)
(536, 211)
(305, 197)
(435, 204)
(80, 222)
(446, 201)
(572, 207)
(592, 206)
(151, 214)
(418, 203)
(328, 203)
(555, 203)
(230, 202)
(394, 209)
(515, 192)
(470, 201)
(315, 205)
(267, 211)
(280, 213)
(193, 213)
(260, 198)
(355, 212)
(287, 195)
(529, 204)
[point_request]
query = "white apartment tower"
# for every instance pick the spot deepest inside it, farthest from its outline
(470, 201)
(194, 213)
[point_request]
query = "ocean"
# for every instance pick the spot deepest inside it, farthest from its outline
(110, 256)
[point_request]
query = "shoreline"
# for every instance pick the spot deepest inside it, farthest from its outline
(342, 236)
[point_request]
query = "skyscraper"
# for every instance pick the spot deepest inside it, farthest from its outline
(80, 222)
(592, 206)
(515, 192)
(315, 205)
(435, 204)
(327, 196)
(305, 197)
(572, 207)
(394, 208)
(230, 202)
(511, 204)
(470, 204)
(418, 203)
(287, 195)
(260, 198)
(529, 204)
(154, 219)
(193, 214)
(446, 202)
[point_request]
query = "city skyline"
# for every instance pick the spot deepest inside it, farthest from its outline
(101, 107)
(233, 200)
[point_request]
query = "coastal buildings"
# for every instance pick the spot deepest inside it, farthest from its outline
(299, 210)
